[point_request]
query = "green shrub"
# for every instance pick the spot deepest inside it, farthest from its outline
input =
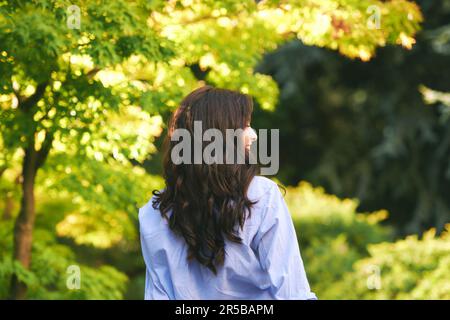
(332, 235)
(412, 268)
(48, 275)
(349, 255)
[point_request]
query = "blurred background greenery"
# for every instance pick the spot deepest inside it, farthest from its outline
(359, 91)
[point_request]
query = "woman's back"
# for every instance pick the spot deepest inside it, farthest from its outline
(267, 265)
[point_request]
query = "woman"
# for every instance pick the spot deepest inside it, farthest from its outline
(218, 230)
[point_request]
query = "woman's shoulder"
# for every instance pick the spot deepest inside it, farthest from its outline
(261, 186)
(149, 217)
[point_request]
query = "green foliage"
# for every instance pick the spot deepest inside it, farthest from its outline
(412, 268)
(331, 234)
(344, 251)
(376, 131)
(319, 213)
(92, 202)
(227, 39)
(48, 275)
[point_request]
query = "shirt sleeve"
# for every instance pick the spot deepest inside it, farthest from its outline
(153, 288)
(279, 252)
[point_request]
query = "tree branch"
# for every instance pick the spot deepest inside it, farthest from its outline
(29, 102)
(45, 149)
(92, 73)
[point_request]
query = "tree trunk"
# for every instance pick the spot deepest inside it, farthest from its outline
(9, 206)
(33, 160)
(23, 229)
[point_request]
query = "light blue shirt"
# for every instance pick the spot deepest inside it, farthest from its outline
(267, 265)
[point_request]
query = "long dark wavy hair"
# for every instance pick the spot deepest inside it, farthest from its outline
(207, 201)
